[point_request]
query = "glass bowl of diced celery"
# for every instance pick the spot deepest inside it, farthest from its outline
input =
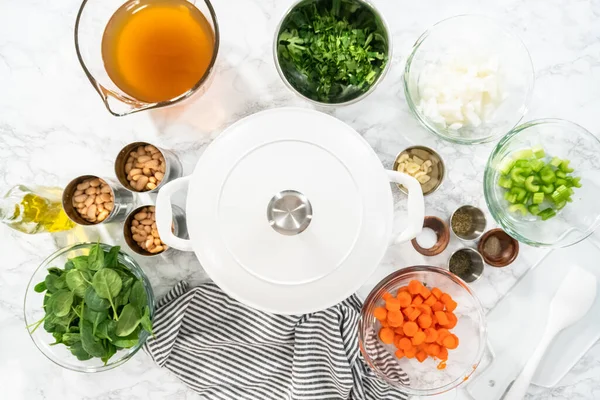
(542, 183)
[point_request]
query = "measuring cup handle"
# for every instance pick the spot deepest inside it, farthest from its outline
(164, 214)
(416, 205)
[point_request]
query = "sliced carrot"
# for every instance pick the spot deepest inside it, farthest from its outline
(419, 338)
(399, 331)
(425, 309)
(442, 318)
(433, 349)
(386, 335)
(425, 292)
(448, 302)
(397, 340)
(410, 328)
(399, 353)
(408, 310)
(437, 306)
(415, 287)
(387, 296)
(424, 321)
(384, 324)
(443, 355)
(380, 313)
(417, 300)
(414, 315)
(442, 365)
(452, 320)
(450, 341)
(430, 335)
(404, 343)
(422, 346)
(392, 304)
(405, 299)
(411, 352)
(395, 318)
(436, 292)
(431, 300)
(434, 321)
(421, 356)
(442, 333)
(402, 289)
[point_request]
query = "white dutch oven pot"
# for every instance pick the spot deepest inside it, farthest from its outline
(289, 210)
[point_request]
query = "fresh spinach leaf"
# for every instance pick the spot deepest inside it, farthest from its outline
(96, 258)
(90, 343)
(95, 317)
(78, 351)
(55, 271)
(110, 350)
(128, 321)
(47, 302)
(80, 262)
(128, 341)
(93, 301)
(111, 258)
(54, 282)
(146, 322)
(62, 302)
(107, 285)
(104, 329)
(40, 287)
(69, 339)
(78, 281)
(58, 338)
(138, 295)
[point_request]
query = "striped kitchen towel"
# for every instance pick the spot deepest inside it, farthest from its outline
(223, 349)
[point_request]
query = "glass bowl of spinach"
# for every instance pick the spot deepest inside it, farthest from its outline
(89, 307)
(332, 52)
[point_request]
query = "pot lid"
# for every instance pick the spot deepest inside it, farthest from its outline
(284, 202)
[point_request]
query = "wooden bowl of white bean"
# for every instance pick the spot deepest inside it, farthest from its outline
(143, 167)
(91, 200)
(141, 234)
(423, 164)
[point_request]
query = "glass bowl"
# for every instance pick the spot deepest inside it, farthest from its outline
(412, 377)
(478, 42)
(563, 139)
(297, 81)
(59, 354)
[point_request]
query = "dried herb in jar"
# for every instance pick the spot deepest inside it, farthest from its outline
(462, 222)
(461, 264)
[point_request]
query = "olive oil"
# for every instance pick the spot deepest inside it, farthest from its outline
(34, 210)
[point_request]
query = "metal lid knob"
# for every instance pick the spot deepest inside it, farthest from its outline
(289, 212)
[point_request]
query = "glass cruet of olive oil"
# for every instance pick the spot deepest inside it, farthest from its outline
(34, 210)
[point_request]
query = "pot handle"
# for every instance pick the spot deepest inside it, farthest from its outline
(416, 205)
(164, 214)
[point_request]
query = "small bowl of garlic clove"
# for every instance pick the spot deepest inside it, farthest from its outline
(423, 164)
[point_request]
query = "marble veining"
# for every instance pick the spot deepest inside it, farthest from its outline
(53, 127)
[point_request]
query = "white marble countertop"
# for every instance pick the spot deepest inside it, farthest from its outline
(54, 127)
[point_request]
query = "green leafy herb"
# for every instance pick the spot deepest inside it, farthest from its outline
(332, 50)
(84, 300)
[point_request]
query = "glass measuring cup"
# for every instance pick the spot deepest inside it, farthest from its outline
(92, 19)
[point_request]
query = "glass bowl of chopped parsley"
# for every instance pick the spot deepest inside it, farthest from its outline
(332, 52)
(89, 307)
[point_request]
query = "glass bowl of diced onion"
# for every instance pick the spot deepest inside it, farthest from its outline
(469, 79)
(427, 375)
(542, 183)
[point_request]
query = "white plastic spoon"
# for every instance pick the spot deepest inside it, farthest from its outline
(571, 302)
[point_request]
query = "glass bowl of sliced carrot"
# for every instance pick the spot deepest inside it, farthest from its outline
(423, 330)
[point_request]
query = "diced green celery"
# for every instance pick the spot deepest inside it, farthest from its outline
(505, 182)
(506, 165)
(555, 162)
(520, 192)
(510, 197)
(560, 174)
(547, 175)
(564, 166)
(517, 175)
(538, 152)
(561, 193)
(548, 189)
(537, 165)
(529, 185)
(525, 153)
(560, 182)
(522, 163)
(534, 209)
(576, 182)
(527, 198)
(518, 208)
(569, 200)
(561, 205)
(547, 214)
(571, 192)
(538, 198)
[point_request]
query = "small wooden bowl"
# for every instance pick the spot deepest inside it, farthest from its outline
(509, 248)
(441, 231)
